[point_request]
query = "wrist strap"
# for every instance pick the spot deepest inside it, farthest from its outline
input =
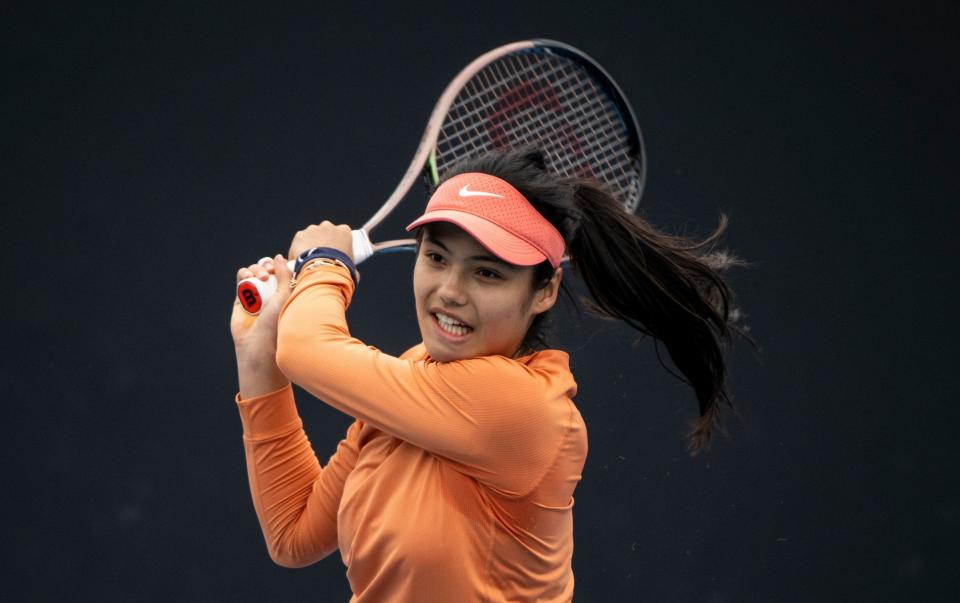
(326, 252)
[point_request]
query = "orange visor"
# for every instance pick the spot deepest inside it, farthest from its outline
(496, 215)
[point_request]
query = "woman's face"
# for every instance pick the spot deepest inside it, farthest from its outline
(469, 302)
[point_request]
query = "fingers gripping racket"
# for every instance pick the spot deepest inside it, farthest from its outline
(538, 92)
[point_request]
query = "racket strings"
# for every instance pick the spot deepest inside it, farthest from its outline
(500, 84)
(550, 101)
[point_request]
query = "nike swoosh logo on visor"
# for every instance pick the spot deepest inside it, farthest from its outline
(466, 192)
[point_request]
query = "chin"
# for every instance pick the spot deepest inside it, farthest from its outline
(438, 349)
(441, 354)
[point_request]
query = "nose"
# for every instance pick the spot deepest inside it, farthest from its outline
(451, 290)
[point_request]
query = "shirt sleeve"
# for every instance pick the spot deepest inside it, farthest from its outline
(296, 500)
(499, 420)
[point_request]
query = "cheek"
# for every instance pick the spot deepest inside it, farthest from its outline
(419, 283)
(507, 314)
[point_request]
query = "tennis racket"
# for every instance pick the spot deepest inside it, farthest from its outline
(538, 92)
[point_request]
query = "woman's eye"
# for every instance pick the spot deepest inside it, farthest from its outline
(434, 257)
(490, 274)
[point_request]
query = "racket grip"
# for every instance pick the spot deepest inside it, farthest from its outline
(253, 293)
(362, 247)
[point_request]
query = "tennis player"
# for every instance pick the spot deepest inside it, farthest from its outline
(455, 481)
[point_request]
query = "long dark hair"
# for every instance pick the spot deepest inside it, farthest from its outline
(664, 286)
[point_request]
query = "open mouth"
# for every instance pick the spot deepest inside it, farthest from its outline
(451, 326)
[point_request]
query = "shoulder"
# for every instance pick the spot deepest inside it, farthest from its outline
(526, 381)
(554, 367)
(543, 370)
(417, 352)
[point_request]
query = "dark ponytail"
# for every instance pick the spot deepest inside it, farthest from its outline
(664, 286)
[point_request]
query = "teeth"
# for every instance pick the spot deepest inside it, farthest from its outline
(452, 326)
(447, 320)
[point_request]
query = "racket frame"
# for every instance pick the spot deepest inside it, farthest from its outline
(424, 159)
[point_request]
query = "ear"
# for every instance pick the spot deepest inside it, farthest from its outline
(545, 298)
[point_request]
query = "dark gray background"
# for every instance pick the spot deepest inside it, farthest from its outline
(149, 151)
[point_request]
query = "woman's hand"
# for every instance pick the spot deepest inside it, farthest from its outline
(255, 337)
(325, 234)
(255, 331)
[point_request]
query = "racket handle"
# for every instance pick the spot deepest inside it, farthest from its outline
(254, 293)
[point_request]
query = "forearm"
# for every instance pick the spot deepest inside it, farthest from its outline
(294, 498)
(257, 372)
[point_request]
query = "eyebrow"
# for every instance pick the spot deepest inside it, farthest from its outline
(482, 258)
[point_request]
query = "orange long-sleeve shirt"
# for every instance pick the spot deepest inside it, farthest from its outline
(454, 483)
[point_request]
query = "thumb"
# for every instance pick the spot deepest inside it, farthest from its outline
(283, 274)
